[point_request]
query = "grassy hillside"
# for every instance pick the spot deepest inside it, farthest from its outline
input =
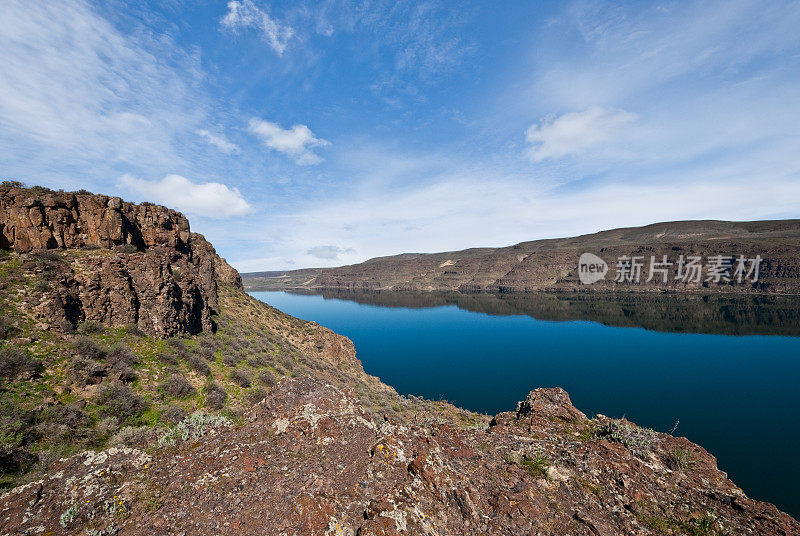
(65, 390)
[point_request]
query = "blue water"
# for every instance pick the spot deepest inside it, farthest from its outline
(737, 396)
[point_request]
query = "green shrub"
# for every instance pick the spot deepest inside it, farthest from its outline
(215, 396)
(87, 348)
(256, 395)
(266, 377)
(173, 414)
(15, 362)
(193, 427)
(240, 377)
(637, 440)
(176, 386)
(120, 402)
(90, 327)
(537, 465)
(126, 248)
(680, 459)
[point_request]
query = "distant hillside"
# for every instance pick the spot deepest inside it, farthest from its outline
(553, 264)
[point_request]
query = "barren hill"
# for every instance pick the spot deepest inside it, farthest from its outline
(552, 264)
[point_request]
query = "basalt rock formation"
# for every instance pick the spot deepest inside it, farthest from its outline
(308, 460)
(553, 264)
(133, 264)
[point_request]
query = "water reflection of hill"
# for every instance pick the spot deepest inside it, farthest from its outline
(690, 313)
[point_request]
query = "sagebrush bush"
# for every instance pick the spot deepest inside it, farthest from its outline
(215, 396)
(120, 402)
(209, 342)
(5, 328)
(199, 365)
(15, 362)
(121, 360)
(177, 344)
(173, 414)
(266, 378)
(231, 359)
(637, 440)
(126, 248)
(133, 436)
(256, 395)
(90, 327)
(194, 427)
(167, 358)
(176, 386)
(240, 377)
(87, 348)
(85, 372)
(134, 330)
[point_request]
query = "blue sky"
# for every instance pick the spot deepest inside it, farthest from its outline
(299, 134)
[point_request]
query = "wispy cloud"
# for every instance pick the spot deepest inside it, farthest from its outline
(219, 141)
(408, 45)
(575, 132)
(296, 142)
(75, 93)
(208, 199)
(329, 253)
(246, 14)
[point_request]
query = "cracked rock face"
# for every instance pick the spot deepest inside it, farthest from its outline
(126, 264)
(308, 460)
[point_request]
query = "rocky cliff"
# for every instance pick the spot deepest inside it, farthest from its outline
(124, 264)
(553, 264)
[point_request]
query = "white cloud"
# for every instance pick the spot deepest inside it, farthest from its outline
(295, 142)
(245, 14)
(76, 93)
(575, 132)
(210, 199)
(219, 141)
(329, 253)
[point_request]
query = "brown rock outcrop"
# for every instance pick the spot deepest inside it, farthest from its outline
(123, 264)
(308, 460)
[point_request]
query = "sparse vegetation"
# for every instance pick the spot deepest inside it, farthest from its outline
(68, 515)
(636, 439)
(215, 396)
(680, 459)
(194, 427)
(176, 386)
(173, 414)
(15, 362)
(240, 377)
(537, 465)
(121, 402)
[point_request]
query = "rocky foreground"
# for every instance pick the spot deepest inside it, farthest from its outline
(309, 460)
(234, 418)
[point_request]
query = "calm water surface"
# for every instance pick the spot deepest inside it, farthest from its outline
(736, 395)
